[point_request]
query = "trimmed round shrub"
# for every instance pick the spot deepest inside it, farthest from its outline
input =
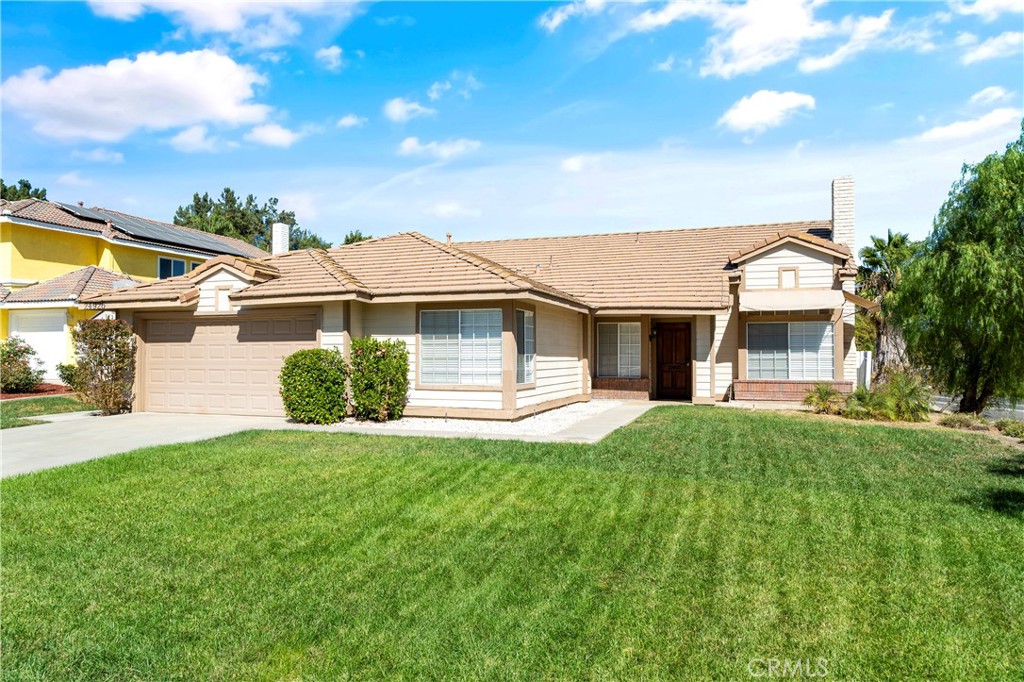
(380, 378)
(313, 386)
(20, 370)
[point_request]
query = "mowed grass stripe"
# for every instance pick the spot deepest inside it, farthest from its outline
(660, 553)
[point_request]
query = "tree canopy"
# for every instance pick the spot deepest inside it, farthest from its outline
(23, 190)
(247, 220)
(960, 305)
(356, 236)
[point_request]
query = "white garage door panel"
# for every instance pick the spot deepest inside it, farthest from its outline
(217, 367)
(44, 331)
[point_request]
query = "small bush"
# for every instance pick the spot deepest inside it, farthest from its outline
(967, 421)
(69, 374)
(105, 372)
(860, 404)
(1011, 427)
(20, 370)
(313, 386)
(380, 378)
(824, 399)
(905, 397)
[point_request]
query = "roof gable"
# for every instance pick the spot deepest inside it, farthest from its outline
(774, 241)
(81, 283)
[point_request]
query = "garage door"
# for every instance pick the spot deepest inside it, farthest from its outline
(220, 367)
(44, 331)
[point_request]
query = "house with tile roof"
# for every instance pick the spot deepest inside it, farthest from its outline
(504, 329)
(53, 254)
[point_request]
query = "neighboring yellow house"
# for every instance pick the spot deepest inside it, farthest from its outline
(52, 253)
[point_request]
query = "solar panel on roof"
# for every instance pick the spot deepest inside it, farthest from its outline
(149, 230)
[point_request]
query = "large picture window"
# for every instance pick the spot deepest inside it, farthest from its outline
(526, 346)
(790, 350)
(618, 349)
(460, 347)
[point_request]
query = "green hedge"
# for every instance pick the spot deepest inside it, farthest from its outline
(313, 386)
(380, 378)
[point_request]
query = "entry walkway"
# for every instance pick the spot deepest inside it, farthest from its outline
(78, 437)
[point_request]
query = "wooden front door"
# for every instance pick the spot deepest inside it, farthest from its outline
(674, 367)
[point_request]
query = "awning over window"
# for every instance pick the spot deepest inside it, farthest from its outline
(778, 300)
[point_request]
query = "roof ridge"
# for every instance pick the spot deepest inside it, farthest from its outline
(494, 267)
(646, 231)
(333, 268)
(83, 281)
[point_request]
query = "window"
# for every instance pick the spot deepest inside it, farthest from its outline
(618, 349)
(526, 346)
(460, 347)
(195, 264)
(790, 350)
(169, 267)
(787, 278)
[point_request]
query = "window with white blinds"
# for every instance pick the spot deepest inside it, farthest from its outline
(790, 350)
(618, 349)
(460, 347)
(526, 346)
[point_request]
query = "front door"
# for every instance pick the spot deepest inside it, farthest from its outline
(674, 361)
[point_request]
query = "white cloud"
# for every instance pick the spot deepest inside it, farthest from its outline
(401, 110)
(763, 110)
(330, 57)
(1004, 118)
(443, 151)
(1003, 45)
(99, 155)
(73, 179)
(579, 163)
(195, 139)
(438, 89)
(988, 10)
(273, 135)
(154, 91)
(666, 65)
(553, 18)
(273, 57)
(452, 209)
(989, 95)
(351, 121)
(256, 24)
(864, 33)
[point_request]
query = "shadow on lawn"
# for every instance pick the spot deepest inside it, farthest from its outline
(1005, 501)
(1008, 466)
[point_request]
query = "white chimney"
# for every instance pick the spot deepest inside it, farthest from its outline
(844, 229)
(280, 234)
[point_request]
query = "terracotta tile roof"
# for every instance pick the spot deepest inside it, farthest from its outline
(4, 293)
(410, 263)
(80, 283)
(799, 235)
(171, 289)
(256, 270)
(302, 273)
(54, 214)
(657, 269)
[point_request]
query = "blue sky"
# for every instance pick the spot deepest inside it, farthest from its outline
(494, 120)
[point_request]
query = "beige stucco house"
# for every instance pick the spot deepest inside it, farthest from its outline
(503, 329)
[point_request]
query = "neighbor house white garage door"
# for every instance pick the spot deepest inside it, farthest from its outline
(219, 366)
(44, 331)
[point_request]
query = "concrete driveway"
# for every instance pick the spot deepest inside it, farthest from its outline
(80, 437)
(77, 437)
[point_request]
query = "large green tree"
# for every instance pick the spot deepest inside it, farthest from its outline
(23, 190)
(960, 304)
(246, 219)
(881, 268)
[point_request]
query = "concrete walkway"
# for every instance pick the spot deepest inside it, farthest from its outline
(81, 436)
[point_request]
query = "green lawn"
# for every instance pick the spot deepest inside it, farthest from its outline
(682, 546)
(15, 412)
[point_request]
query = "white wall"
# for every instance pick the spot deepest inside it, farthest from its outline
(331, 334)
(559, 368)
(702, 356)
(815, 268)
(208, 290)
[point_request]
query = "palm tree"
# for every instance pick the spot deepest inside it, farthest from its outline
(878, 276)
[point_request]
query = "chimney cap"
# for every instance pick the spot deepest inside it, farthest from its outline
(448, 235)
